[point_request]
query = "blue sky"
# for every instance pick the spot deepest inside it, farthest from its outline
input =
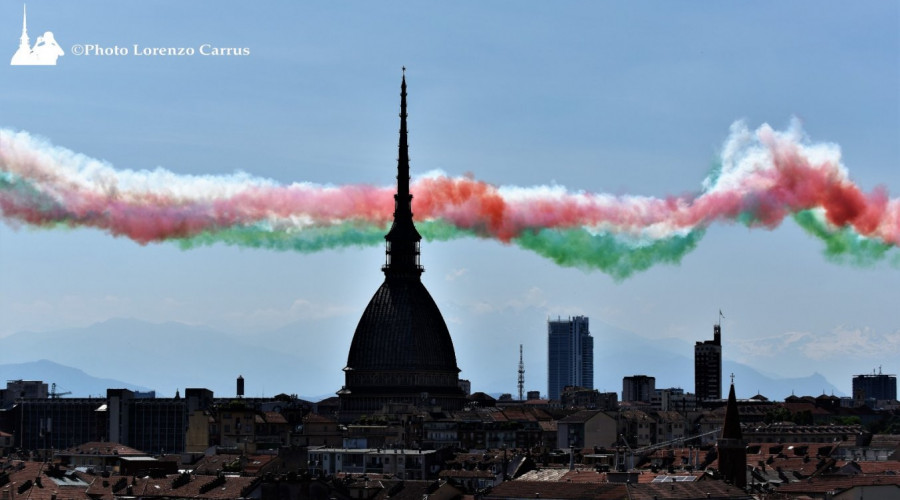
(604, 97)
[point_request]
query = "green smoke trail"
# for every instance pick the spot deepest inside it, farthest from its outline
(606, 252)
(314, 239)
(308, 240)
(33, 206)
(843, 245)
(611, 254)
(620, 256)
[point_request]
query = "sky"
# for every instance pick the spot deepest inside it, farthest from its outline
(585, 98)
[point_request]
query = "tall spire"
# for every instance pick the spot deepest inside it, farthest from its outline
(403, 157)
(731, 447)
(24, 40)
(402, 247)
(731, 428)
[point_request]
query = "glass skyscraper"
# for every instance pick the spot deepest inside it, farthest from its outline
(570, 355)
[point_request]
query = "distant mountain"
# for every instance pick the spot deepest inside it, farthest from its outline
(671, 362)
(617, 353)
(307, 357)
(67, 379)
(168, 356)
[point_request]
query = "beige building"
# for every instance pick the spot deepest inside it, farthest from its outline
(585, 429)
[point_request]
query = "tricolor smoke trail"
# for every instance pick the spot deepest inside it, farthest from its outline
(763, 177)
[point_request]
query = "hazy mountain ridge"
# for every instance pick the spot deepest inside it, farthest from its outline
(671, 362)
(67, 379)
(170, 356)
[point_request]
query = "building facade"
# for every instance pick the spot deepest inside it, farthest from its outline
(570, 355)
(708, 367)
(638, 388)
(23, 389)
(879, 387)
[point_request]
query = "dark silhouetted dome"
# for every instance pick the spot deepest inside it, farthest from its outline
(401, 352)
(402, 329)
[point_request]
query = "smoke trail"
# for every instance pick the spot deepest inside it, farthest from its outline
(761, 178)
(843, 245)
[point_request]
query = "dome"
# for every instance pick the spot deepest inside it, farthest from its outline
(401, 353)
(402, 329)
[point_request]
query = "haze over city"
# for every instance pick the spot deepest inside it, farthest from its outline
(601, 99)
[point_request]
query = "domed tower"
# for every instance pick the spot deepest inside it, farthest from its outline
(402, 351)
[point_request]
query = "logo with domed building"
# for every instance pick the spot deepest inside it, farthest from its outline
(45, 51)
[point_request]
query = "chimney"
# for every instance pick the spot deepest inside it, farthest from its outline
(240, 386)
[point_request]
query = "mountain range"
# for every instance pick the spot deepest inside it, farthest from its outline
(295, 359)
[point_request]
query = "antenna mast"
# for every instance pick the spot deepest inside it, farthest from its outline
(521, 375)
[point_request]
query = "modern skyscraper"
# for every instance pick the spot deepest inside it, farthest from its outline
(879, 387)
(401, 351)
(708, 367)
(570, 355)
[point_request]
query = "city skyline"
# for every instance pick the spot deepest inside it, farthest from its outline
(601, 110)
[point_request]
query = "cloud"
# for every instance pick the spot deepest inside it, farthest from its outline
(840, 343)
(298, 310)
(456, 273)
(859, 343)
(532, 299)
(73, 310)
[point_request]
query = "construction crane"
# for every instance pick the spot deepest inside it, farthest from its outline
(56, 395)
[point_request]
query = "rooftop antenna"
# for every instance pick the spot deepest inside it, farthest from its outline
(719, 322)
(521, 375)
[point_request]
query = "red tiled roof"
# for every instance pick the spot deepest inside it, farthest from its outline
(211, 464)
(465, 474)
(825, 484)
(879, 467)
(273, 417)
(315, 418)
(685, 490)
(556, 490)
(101, 448)
(256, 463)
(202, 487)
(583, 476)
(810, 407)
(580, 416)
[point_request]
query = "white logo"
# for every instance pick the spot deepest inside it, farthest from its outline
(44, 53)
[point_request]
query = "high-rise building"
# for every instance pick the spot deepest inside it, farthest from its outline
(638, 388)
(570, 355)
(708, 367)
(879, 387)
(401, 351)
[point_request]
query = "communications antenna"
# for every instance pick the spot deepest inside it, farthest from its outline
(521, 375)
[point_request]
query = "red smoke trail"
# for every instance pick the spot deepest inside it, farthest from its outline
(762, 182)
